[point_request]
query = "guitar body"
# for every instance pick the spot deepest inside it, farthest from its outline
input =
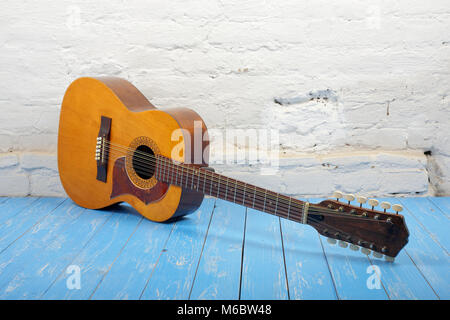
(133, 125)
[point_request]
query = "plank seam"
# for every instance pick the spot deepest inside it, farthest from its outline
(242, 254)
(425, 228)
(201, 252)
(31, 227)
(329, 269)
(75, 257)
(284, 259)
(157, 261)
(117, 256)
(420, 271)
(437, 206)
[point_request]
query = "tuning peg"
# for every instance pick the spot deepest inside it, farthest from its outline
(331, 241)
(385, 205)
(373, 202)
(377, 255)
(354, 247)
(343, 244)
(365, 251)
(389, 259)
(349, 197)
(397, 208)
(361, 200)
(337, 195)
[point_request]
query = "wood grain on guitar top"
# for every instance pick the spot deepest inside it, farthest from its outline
(85, 102)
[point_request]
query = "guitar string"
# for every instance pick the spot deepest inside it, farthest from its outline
(172, 165)
(150, 158)
(319, 210)
(171, 174)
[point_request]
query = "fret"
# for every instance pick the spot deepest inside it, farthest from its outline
(163, 172)
(182, 174)
(276, 204)
(226, 190)
(210, 187)
(289, 206)
(204, 180)
(243, 197)
(192, 182)
(174, 174)
(198, 179)
(265, 195)
(235, 187)
(254, 195)
(218, 187)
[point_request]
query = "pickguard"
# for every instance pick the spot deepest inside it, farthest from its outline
(123, 185)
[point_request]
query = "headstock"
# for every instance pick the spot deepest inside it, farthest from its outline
(355, 226)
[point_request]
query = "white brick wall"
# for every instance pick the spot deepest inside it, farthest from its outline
(386, 66)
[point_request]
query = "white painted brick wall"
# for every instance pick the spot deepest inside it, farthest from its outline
(385, 63)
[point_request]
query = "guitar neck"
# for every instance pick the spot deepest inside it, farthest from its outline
(222, 187)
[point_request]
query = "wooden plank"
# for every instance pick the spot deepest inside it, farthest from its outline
(431, 218)
(306, 265)
(402, 279)
(429, 257)
(21, 222)
(351, 271)
(263, 270)
(96, 258)
(31, 263)
(218, 274)
(173, 276)
(13, 206)
(443, 203)
(128, 274)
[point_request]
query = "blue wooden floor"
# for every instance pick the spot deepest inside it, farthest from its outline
(52, 249)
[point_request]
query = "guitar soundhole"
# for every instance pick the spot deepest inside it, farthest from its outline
(143, 163)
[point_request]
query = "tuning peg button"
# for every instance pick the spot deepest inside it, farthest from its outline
(331, 241)
(349, 197)
(354, 247)
(337, 194)
(365, 251)
(361, 200)
(343, 244)
(377, 255)
(397, 207)
(385, 205)
(373, 202)
(389, 259)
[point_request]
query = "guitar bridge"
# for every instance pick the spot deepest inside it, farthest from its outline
(102, 149)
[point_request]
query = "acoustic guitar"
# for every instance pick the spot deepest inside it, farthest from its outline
(115, 146)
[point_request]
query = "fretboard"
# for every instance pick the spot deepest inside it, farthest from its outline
(222, 187)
